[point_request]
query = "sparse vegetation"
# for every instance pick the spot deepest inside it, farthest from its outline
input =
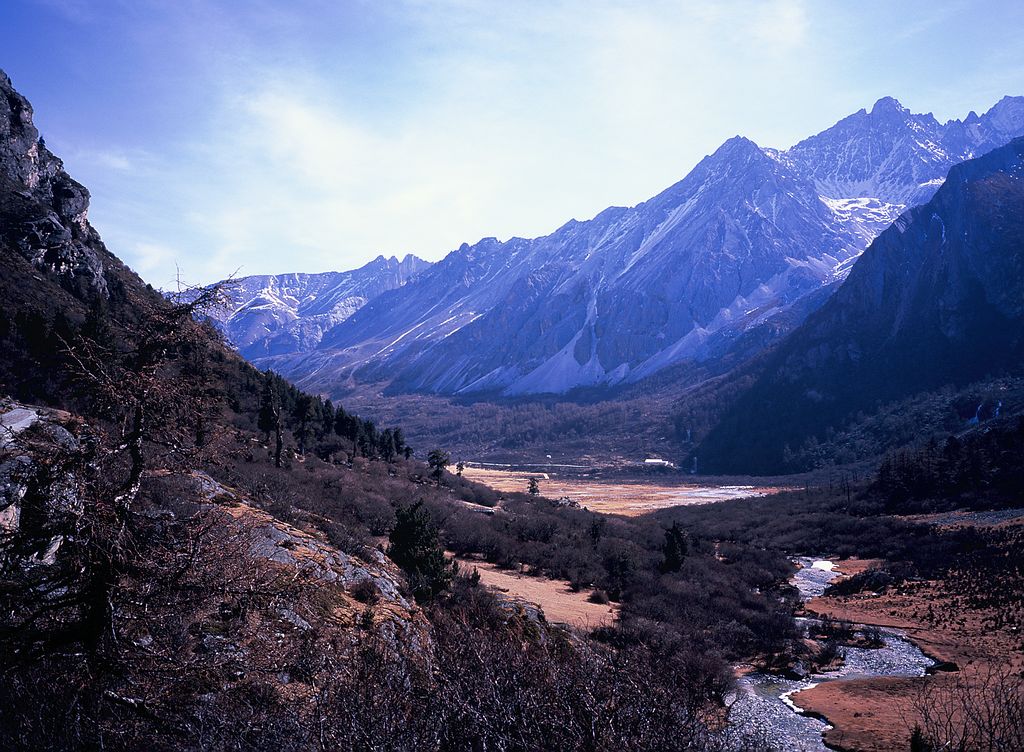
(983, 712)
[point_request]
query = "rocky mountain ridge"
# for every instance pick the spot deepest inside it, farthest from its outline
(276, 314)
(748, 235)
(43, 211)
(897, 156)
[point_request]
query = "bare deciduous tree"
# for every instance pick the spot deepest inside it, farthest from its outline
(980, 711)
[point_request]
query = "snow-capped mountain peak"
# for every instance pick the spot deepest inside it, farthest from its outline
(732, 256)
(276, 314)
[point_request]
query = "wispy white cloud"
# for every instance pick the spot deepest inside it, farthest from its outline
(106, 159)
(316, 134)
(780, 26)
(152, 257)
(532, 118)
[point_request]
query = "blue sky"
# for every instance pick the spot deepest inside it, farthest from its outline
(314, 134)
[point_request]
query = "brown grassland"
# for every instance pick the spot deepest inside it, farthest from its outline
(625, 497)
(560, 603)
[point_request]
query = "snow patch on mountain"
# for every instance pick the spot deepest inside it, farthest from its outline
(287, 313)
(743, 245)
(864, 215)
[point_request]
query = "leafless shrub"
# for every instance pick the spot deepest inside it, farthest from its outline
(366, 592)
(979, 711)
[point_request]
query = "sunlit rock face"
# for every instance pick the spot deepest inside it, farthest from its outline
(740, 250)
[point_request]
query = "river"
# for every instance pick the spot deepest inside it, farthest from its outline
(762, 702)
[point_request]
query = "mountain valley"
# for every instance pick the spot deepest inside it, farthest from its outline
(466, 504)
(628, 335)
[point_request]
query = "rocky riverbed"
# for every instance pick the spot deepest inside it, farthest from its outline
(764, 703)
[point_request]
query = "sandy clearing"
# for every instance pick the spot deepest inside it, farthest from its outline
(559, 603)
(628, 498)
(850, 567)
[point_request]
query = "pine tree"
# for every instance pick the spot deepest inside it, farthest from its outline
(674, 549)
(416, 548)
(305, 414)
(269, 413)
(438, 460)
(327, 417)
(343, 424)
(269, 418)
(362, 441)
(533, 487)
(372, 438)
(387, 445)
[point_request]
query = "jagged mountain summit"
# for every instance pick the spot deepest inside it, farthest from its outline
(285, 313)
(734, 255)
(937, 299)
(896, 156)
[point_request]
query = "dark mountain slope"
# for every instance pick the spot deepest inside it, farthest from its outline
(937, 299)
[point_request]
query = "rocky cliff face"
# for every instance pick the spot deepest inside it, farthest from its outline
(43, 212)
(737, 251)
(937, 299)
(31, 533)
(287, 313)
